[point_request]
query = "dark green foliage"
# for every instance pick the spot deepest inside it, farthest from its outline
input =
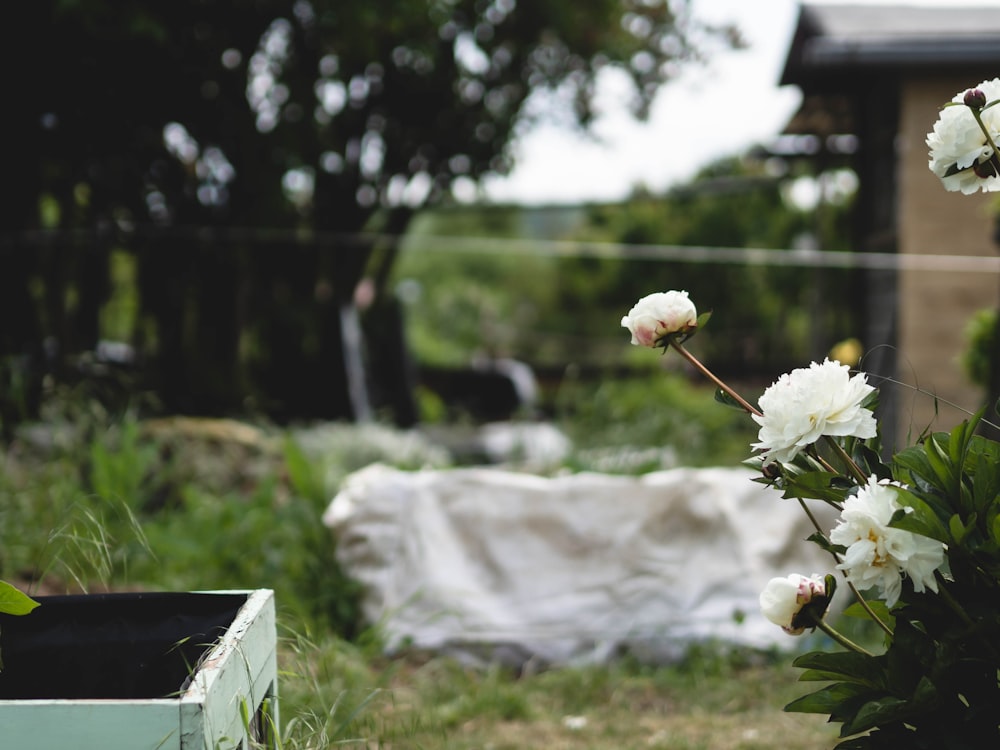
(980, 334)
(659, 412)
(766, 317)
(559, 301)
(936, 684)
(244, 154)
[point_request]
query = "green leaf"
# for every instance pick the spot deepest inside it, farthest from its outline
(890, 708)
(855, 743)
(817, 485)
(924, 519)
(834, 699)
(875, 712)
(870, 462)
(877, 606)
(824, 543)
(961, 436)
(944, 469)
(913, 460)
(13, 601)
(960, 530)
(727, 400)
(847, 666)
(986, 468)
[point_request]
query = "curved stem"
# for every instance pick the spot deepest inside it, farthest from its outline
(950, 600)
(842, 639)
(814, 454)
(750, 409)
(848, 461)
(982, 126)
(679, 348)
(815, 523)
(868, 609)
(854, 589)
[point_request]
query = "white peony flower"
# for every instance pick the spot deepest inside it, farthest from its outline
(878, 555)
(957, 144)
(808, 403)
(656, 315)
(783, 598)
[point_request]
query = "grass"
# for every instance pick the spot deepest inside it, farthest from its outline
(93, 502)
(705, 702)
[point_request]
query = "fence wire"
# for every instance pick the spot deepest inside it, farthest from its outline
(750, 256)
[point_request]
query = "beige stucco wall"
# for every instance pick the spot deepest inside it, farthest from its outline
(935, 306)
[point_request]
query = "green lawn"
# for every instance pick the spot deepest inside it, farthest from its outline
(708, 702)
(91, 502)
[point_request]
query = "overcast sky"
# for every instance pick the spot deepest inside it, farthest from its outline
(713, 110)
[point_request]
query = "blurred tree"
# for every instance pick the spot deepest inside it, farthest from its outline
(767, 317)
(188, 131)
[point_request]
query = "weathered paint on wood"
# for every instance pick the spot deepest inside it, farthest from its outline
(240, 669)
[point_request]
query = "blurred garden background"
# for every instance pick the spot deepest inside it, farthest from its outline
(247, 255)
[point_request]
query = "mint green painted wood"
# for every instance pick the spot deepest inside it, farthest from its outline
(241, 668)
(91, 724)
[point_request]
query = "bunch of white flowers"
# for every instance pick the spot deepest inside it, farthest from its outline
(962, 145)
(918, 535)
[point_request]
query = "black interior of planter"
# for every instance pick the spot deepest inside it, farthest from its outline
(129, 646)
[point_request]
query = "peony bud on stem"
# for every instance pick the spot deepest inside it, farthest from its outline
(974, 99)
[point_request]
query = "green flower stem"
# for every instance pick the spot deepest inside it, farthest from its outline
(950, 600)
(868, 609)
(840, 638)
(812, 519)
(679, 348)
(989, 139)
(854, 589)
(814, 454)
(749, 408)
(848, 461)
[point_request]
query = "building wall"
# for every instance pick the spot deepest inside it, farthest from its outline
(934, 306)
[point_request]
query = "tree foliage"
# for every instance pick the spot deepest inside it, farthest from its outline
(140, 121)
(196, 111)
(775, 315)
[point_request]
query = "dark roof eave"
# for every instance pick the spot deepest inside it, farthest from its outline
(827, 52)
(823, 55)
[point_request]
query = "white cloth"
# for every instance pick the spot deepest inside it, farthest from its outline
(578, 568)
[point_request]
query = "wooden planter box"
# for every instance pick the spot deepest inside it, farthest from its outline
(156, 671)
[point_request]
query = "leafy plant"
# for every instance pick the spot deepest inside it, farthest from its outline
(981, 336)
(918, 542)
(935, 685)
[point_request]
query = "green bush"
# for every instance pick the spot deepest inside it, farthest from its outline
(647, 416)
(980, 333)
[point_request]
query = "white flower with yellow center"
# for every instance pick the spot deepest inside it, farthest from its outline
(878, 555)
(804, 405)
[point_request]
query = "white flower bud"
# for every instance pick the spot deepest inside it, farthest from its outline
(658, 315)
(783, 598)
